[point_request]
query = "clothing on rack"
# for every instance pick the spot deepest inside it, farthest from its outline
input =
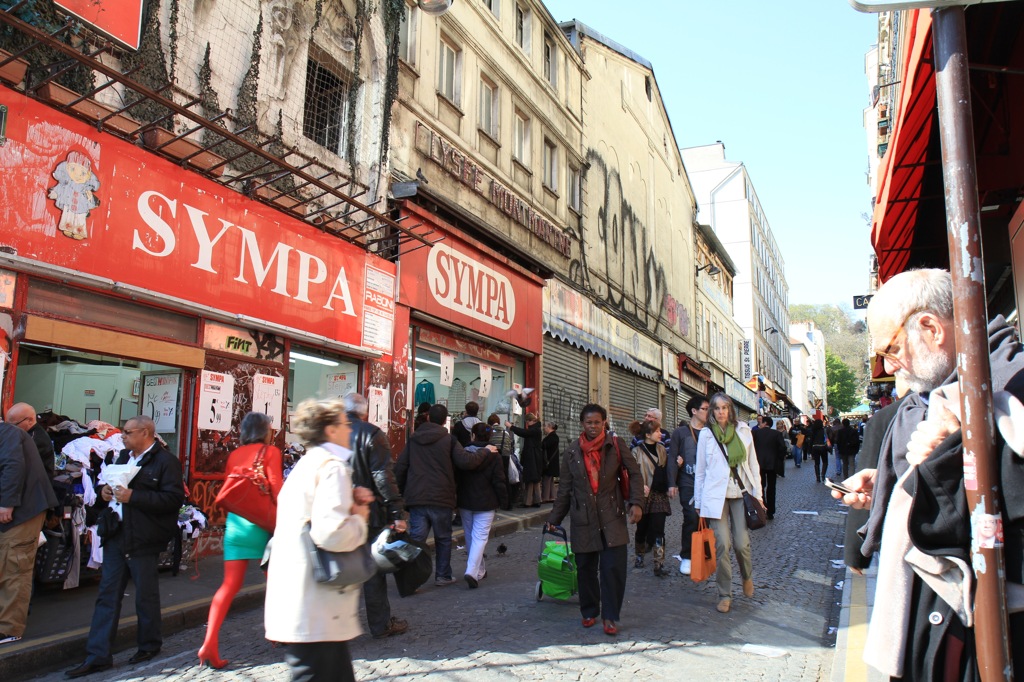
(424, 392)
(457, 395)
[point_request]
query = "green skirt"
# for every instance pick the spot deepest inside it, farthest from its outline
(243, 539)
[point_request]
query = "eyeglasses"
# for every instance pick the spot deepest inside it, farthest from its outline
(888, 353)
(128, 432)
(20, 421)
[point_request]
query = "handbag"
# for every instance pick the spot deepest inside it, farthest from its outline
(623, 474)
(703, 560)
(246, 493)
(753, 511)
(339, 569)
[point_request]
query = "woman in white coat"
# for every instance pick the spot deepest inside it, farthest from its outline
(314, 620)
(727, 465)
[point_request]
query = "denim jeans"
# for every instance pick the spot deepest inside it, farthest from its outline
(423, 519)
(798, 456)
(477, 525)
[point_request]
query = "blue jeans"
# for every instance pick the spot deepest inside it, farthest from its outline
(798, 456)
(116, 570)
(423, 519)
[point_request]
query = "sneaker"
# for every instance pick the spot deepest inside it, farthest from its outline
(684, 567)
(7, 639)
(445, 582)
(396, 626)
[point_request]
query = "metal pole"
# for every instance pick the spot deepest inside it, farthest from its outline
(963, 220)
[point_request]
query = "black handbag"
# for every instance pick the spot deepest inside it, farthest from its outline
(339, 569)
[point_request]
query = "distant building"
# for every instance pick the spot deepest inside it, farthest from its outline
(807, 356)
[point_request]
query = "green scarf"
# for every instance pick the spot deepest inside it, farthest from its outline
(737, 453)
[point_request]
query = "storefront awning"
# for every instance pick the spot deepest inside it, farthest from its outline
(902, 169)
(588, 342)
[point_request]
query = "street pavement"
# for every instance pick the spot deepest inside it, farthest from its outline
(669, 627)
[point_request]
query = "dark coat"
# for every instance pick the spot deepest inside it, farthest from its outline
(770, 448)
(24, 484)
(683, 444)
(552, 454)
(483, 488)
(151, 516)
(847, 441)
(531, 456)
(601, 514)
(372, 468)
(425, 471)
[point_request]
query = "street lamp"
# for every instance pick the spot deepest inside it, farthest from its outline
(435, 8)
(711, 268)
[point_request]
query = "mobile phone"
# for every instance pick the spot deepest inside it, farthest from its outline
(839, 487)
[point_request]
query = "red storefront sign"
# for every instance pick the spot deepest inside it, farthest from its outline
(119, 19)
(467, 287)
(91, 202)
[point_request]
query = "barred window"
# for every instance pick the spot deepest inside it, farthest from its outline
(325, 119)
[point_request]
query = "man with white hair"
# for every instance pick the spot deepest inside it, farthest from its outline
(654, 414)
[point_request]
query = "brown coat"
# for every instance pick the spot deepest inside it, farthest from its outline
(591, 514)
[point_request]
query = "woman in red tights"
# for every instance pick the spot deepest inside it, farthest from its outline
(243, 540)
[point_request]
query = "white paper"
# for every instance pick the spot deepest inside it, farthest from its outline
(485, 381)
(337, 384)
(216, 401)
(267, 397)
(160, 401)
(517, 409)
(118, 476)
(807, 513)
(378, 407)
(762, 650)
(447, 368)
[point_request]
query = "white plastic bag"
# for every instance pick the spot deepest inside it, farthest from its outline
(513, 469)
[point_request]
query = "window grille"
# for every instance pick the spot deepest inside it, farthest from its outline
(325, 119)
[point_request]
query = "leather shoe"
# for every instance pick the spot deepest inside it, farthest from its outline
(589, 622)
(141, 656)
(87, 669)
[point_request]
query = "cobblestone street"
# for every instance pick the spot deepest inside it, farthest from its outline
(669, 628)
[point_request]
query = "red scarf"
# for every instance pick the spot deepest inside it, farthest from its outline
(592, 455)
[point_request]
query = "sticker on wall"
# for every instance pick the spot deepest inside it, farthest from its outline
(447, 368)
(267, 397)
(74, 194)
(378, 399)
(216, 400)
(485, 381)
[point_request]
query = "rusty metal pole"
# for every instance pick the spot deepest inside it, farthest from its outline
(963, 220)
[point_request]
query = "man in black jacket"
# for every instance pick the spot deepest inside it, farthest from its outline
(372, 468)
(681, 470)
(847, 443)
(23, 416)
(149, 506)
(25, 495)
(425, 472)
(771, 450)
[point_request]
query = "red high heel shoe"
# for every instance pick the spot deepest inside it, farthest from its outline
(207, 660)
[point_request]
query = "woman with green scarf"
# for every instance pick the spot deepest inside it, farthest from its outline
(726, 466)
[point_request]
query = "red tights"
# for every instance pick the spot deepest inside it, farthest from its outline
(234, 577)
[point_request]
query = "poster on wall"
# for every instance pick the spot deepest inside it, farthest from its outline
(338, 384)
(485, 381)
(160, 400)
(267, 396)
(378, 399)
(216, 400)
(447, 368)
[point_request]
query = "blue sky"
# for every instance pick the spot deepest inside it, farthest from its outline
(782, 85)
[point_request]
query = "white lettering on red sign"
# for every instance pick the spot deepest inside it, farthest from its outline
(461, 283)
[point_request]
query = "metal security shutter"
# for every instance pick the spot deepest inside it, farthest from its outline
(622, 407)
(565, 383)
(669, 419)
(681, 400)
(646, 392)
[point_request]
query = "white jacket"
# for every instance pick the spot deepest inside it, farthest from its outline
(713, 472)
(297, 608)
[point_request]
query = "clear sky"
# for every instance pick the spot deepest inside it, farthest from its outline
(782, 85)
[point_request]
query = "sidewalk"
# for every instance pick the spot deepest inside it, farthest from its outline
(58, 624)
(858, 599)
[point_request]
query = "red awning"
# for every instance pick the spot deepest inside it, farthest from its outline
(902, 167)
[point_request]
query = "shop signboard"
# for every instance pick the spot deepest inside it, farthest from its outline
(117, 19)
(93, 203)
(471, 288)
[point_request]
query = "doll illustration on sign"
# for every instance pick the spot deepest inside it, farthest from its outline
(74, 194)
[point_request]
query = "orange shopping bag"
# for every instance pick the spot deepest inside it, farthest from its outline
(702, 553)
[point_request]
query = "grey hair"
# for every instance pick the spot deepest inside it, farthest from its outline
(312, 417)
(356, 402)
(914, 291)
(655, 411)
(144, 422)
(255, 427)
(723, 398)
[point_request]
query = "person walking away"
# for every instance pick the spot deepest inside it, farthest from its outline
(797, 435)
(502, 440)
(847, 443)
(479, 494)
(425, 472)
(771, 449)
(25, 495)
(372, 469)
(315, 621)
(832, 431)
(589, 493)
(780, 426)
(682, 468)
(23, 416)
(530, 456)
(819, 449)
(243, 540)
(652, 459)
(463, 428)
(552, 461)
(726, 466)
(149, 509)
